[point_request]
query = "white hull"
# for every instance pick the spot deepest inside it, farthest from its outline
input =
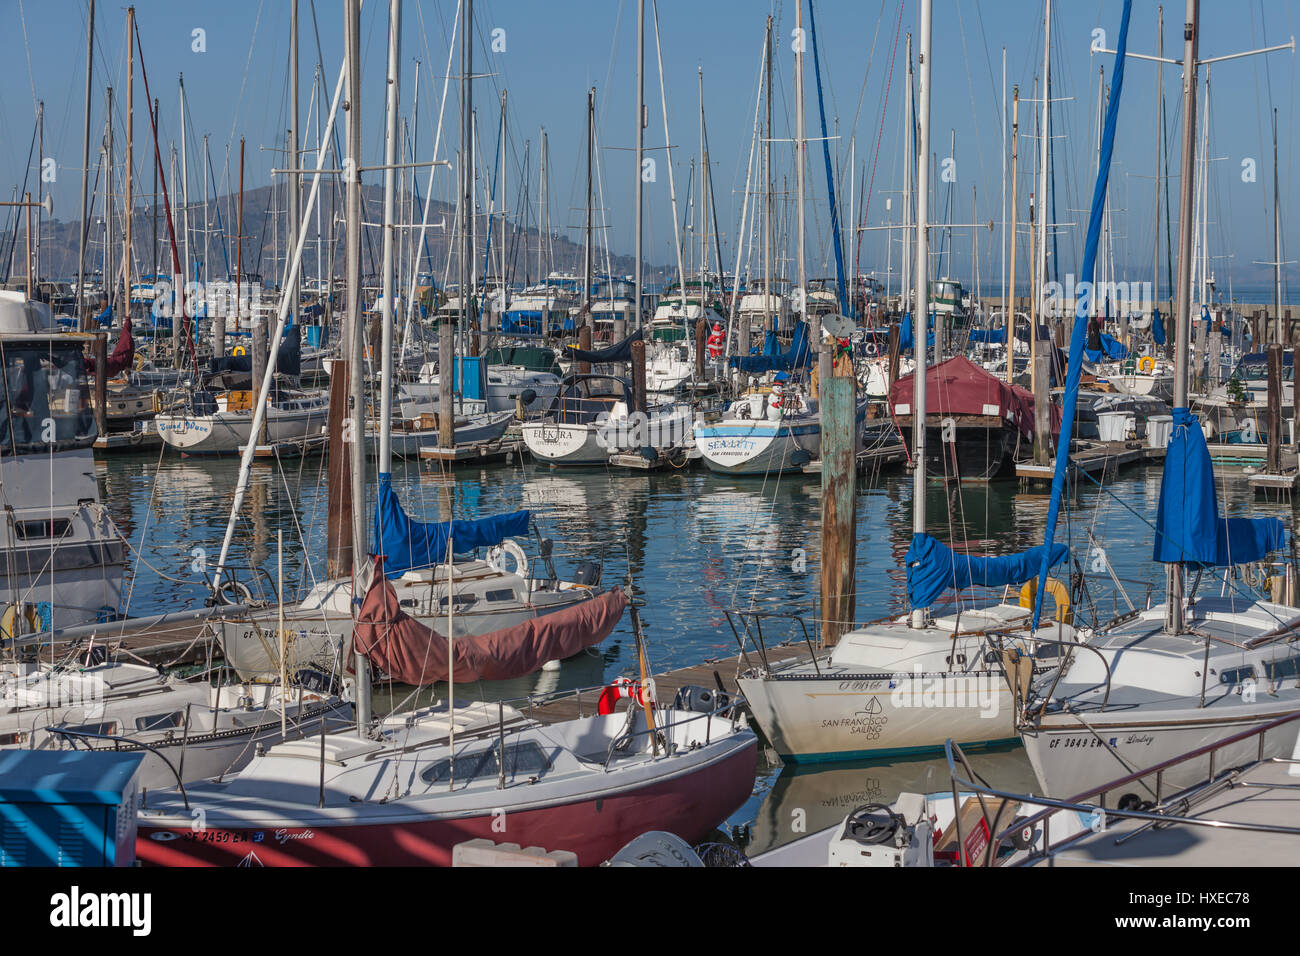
(228, 432)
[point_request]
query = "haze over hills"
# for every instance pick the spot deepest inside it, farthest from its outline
(264, 245)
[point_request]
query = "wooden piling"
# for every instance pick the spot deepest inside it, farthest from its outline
(446, 370)
(101, 383)
(1042, 401)
(259, 359)
(638, 375)
(1274, 409)
(584, 343)
(839, 507)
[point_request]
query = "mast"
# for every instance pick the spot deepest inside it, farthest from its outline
(799, 161)
(353, 336)
(640, 151)
(110, 274)
(446, 344)
(185, 208)
(1040, 273)
(1277, 239)
(922, 288)
(1011, 294)
(587, 251)
(130, 144)
(295, 185)
(1159, 119)
(389, 283)
(85, 174)
(1174, 620)
(743, 345)
(909, 168)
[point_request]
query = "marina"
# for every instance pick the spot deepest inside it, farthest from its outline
(451, 435)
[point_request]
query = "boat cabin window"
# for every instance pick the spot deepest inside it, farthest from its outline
(161, 721)
(106, 729)
(44, 399)
(29, 530)
(523, 759)
(462, 600)
(504, 594)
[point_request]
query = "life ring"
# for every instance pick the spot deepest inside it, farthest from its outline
(1060, 595)
(873, 349)
(19, 619)
(621, 688)
(1146, 364)
(497, 554)
(239, 350)
(232, 591)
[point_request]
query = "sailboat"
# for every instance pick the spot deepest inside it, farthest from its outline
(1197, 669)
(405, 790)
(908, 683)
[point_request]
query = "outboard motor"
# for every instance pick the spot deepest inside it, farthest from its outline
(588, 573)
(700, 700)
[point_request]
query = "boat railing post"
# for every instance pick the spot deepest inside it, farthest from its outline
(501, 745)
(320, 799)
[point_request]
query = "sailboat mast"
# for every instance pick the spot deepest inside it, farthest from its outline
(295, 183)
(353, 333)
(1174, 620)
(798, 159)
(920, 324)
(744, 344)
(587, 250)
(130, 148)
(640, 149)
(389, 280)
(1277, 244)
(85, 173)
(1011, 289)
(446, 346)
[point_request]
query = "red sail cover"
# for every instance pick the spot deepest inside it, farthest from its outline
(123, 353)
(411, 653)
(960, 387)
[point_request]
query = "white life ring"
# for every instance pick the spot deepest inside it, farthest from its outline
(497, 554)
(873, 349)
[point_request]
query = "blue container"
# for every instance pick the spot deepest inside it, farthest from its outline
(471, 377)
(68, 807)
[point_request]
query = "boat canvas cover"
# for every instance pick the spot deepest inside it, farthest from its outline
(1110, 347)
(1188, 526)
(773, 359)
(933, 567)
(907, 338)
(288, 360)
(618, 352)
(412, 653)
(123, 353)
(960, 387)
(405, 544)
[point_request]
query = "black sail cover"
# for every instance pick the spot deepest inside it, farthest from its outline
(618, 352)
(288, 360)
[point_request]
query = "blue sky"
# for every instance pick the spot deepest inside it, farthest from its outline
(555, 51)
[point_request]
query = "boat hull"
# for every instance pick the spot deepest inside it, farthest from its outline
(819, 719)
(758, 448)
(595, 827)
(1069, 759)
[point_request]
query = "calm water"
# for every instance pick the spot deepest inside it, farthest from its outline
(692, 544)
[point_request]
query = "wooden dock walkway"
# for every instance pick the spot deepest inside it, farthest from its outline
(668, 683)
(1101, 459)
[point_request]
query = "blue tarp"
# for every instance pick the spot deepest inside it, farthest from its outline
(105, 317)
(989, 336)
(1157, 329)
(520, 322)
(933, 567)
(1188, 526)
(907, 340)
(407, 544)
(1111, 348)
(796, 356)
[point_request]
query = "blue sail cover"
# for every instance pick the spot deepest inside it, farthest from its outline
(407, 544)
(796, 356)
(1188, 527)
(1111, 347)
(1079, 334)
(906, 338)
(1157, 329)
(989, 336)
(933, 567)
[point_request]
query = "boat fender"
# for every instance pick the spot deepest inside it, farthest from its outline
(497, 554)
(1059, 594)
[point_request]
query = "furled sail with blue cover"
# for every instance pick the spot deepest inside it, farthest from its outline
(1188, 526)
(933, 567)
(907, 339)
(989, 336)
(1079, 334)
(796, 356)
(1157, 328)
(1111, 348)
(407, 544)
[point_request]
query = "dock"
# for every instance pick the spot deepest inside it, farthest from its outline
(127, 443)
(1101, 459)
(504, 449)
(869, 459)
(708, 674)
(144, 641)
(665, 460)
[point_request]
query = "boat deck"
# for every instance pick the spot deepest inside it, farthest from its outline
(1265, 794)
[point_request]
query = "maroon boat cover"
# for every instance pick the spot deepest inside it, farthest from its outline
(412, 653)
(123, 353)
(960, 387)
